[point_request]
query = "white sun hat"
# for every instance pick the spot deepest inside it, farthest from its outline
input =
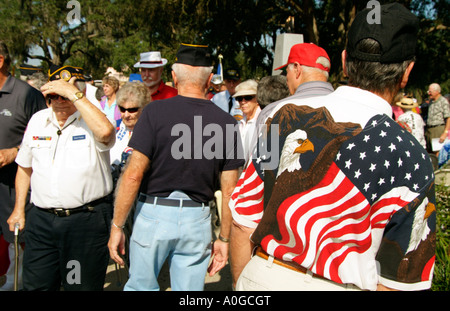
(151, 60)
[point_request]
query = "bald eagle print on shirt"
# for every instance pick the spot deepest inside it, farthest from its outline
(347, 202)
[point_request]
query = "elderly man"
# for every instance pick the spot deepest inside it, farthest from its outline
(151, 66)
(65, 158)
(307, 75)
(174, 178)
(225, 99)
(351, 203)
(18, 102)
(438, 121)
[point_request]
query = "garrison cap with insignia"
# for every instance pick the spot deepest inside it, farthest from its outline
(232, 74)
(65, 72)
(194, 55)
(28, 70)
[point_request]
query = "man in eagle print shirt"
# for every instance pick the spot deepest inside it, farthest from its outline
(353, 206)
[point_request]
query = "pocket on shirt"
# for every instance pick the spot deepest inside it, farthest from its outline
(79, 151)
(41, 152)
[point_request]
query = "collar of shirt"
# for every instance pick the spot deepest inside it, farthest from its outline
(8, 87)
(160, 88)
(123, 132)
(253, 120)
(312, 88)
(51, 118)
(364, 98)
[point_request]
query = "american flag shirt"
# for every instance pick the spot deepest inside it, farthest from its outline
(357, 207)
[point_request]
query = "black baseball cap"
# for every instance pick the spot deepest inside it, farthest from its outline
(396, 32)
(194, 55)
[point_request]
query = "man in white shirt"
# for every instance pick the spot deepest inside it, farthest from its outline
(64, 157)
(225, 99)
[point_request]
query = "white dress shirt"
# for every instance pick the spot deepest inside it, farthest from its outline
(247, 129)
(70, 169)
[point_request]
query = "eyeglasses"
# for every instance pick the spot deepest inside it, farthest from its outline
(56, 97)
(130, 110)
(247, 98)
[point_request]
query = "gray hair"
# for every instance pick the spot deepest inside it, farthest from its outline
(135, 92)
(436, 87)
(310, 70)
(5, 53)
(272, 89)
(374, 76)
(188, 74)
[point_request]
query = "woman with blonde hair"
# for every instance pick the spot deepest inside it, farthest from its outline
(108, 102)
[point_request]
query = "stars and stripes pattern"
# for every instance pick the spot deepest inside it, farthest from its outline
(379, 158)
(338, 224)
(247, 200)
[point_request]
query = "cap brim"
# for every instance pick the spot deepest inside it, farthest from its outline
(244, 93)
(282, 67)
(139, 65)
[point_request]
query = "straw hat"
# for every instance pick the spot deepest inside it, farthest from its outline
(407, 103)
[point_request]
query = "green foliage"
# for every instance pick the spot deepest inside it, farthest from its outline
(114, 32)
(441, 280)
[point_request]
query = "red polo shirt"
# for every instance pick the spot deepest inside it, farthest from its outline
(164, 91)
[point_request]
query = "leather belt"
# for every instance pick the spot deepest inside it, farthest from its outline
(66, 212)
(169, 202)
(286, 264)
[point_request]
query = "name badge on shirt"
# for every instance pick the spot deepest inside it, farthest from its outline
(79, 137)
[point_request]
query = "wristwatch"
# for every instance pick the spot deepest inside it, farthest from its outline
(77, 96)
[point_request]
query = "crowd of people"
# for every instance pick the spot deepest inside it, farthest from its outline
(320, 188)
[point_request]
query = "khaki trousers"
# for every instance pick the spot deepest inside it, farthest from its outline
(265, 275)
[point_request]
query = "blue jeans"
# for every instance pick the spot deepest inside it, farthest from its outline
(180, 234)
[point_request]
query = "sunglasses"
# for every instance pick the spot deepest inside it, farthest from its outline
(130, 110)
(247, 98)
(56, 97)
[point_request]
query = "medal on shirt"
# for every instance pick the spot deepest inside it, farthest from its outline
(42, 138)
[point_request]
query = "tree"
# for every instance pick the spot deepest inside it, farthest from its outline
(114, 32)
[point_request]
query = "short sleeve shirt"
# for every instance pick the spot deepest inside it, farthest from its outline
(438, 111)
(18, 102)
(187, 143)
(70, 169)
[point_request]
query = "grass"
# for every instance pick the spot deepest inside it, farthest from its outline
(441, 280)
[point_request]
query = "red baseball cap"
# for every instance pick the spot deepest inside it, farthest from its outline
(306, 54)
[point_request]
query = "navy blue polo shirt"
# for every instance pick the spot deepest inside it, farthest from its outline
(189, 142)
(18, 102)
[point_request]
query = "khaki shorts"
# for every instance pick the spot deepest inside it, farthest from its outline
(433, 132)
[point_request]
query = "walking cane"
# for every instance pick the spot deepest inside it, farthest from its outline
(16, 249)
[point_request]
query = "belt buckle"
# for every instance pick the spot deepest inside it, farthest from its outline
(61, 212)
